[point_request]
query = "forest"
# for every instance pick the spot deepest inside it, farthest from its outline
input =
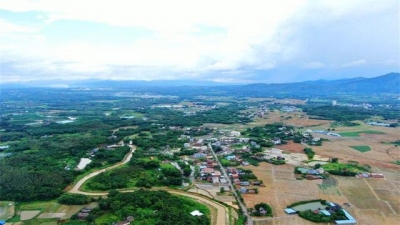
(147, 207)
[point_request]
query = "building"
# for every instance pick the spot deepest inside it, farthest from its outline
(350, 219)
(334, 102)
(377, 175)
(290, 211)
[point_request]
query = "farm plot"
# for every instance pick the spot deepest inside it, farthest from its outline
(361, 148)
(29, 214)
(7, 210)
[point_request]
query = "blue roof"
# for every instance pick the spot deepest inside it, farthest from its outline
(350, 219)
(325, 212)
(2, 222)
(289, 210)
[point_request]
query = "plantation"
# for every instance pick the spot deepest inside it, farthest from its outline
(361, 148)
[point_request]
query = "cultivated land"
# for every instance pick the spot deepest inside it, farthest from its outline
(374, 201)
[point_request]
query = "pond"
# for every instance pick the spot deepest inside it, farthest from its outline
(311, 206)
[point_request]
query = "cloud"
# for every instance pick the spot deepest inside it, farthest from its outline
(314, 65)
(354, 63)
(174, 39)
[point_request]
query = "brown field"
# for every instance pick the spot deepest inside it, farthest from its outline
(297, 119)
(374, 201)
(292, 147)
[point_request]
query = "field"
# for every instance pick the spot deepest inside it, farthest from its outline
(361, 148)
(357, 133)
(7, 210)
(373, 201)
(44, 212)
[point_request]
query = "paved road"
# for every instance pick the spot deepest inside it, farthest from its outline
(78, 185)
(242, 205)
(222, 212)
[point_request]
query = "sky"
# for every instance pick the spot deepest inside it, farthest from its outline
(221, 41)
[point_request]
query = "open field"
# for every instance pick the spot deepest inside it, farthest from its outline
(7, 210)
(361, 148)
(374, 201)
(375, 138)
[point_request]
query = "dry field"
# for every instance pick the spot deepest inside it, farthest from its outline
(381, 154)
(374, 201)
(297, 119)
(27, 215)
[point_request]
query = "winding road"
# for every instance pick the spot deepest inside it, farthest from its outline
(222, 212)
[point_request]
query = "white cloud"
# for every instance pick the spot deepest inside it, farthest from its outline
(314, 65)
(389, 62)
(189, 38)
(354, 63)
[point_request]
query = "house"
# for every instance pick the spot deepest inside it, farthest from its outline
(230, 157)
(236, 181)
(245, 163)
(262, 211)
(234, 176)
(82, 216)
(223, 180)
(199, 155)
(245, 183)
(215, 180)
(377, 175)
(235, 133)
(290, 211)
(216, 173)
(277, 141)
(208, 170)
(2, 222)
(350, 219)
(243, 190)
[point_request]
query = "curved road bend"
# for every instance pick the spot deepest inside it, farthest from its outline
(222, 212)
(78, 185)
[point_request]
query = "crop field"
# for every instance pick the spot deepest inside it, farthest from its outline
(361, 148)
(358, 133)
(373, 201)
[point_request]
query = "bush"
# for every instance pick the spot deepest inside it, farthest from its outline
(310, 153)
(73, 199)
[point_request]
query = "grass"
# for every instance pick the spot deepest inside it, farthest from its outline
(357, 133)
(361, 148)
(339, 166)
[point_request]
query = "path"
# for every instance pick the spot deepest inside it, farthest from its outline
(78, 185)
(222, 211)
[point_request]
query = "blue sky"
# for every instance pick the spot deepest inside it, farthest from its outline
(223, 41)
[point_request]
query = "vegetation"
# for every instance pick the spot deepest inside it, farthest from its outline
(357, 133)
(345, 169)
(73, 199)
(310, 153)
(361, 148)
(148, 207)
(260, 207)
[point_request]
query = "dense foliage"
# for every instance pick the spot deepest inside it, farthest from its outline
(148, 207)
(73, 199)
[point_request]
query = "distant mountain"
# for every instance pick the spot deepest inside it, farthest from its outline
(388, 83)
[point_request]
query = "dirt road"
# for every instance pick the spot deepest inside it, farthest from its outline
(222, 211)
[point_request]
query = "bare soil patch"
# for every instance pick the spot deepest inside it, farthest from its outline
(27, 215)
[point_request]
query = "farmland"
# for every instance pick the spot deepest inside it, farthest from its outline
(373, 201)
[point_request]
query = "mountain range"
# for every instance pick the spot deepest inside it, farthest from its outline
(388, 83)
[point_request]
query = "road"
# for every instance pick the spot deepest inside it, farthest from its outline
(222, 211)
(75, 189)
(242, 205)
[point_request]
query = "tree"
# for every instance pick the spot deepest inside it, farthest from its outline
(187, 171)
(335, 160)
(222, 190)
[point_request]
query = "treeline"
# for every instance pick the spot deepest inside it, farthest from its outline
(147, 207)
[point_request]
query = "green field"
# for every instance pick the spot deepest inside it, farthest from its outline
(361, 148)
(357, 133)
(340, 166)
